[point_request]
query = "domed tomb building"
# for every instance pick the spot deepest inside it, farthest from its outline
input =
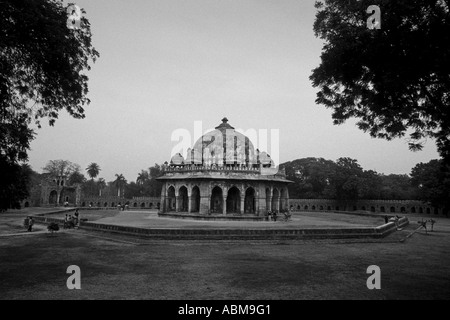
(223, 174)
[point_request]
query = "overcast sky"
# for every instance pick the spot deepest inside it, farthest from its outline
(165, 64)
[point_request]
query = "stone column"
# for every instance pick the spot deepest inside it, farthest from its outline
(205, 202)
(189, 204)
(241, 209)
(224, 205)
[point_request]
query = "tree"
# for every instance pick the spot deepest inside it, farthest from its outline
(120, 183)
(14, 184)
(154, 186)
(42, 71)
(90, 188)
(132, 189)
(142, 177)
(397, 187)
(101, 184)
(396, 79)
(432, 180)
(310, 177)
(76, 177)
(93, 170)
(61, 168)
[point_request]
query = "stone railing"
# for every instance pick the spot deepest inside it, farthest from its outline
(196, 168)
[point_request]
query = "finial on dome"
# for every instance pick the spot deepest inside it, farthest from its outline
(224, 125)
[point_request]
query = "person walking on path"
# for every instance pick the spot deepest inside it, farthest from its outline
(432, 222)
(30, 224)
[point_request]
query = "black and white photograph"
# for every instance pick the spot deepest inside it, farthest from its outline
(224, 155)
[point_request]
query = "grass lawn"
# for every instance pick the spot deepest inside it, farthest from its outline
(121, 267)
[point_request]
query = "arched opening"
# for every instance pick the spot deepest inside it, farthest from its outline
(143, 205)
(313, 208)
(171, 199)
(275, 200)
(216, 205)
(113, 204)
(67, 199)
(268, 199)
(372, 209)
(195, 199)
(26, 204)
(150, 205)
(135, 205)
(99, 204)
(382, 209)
(413, 209)
(298, 207)
(420, 210)
(91, 203)
(306, 208)
(354, 208)
(158, 205)
(337, 208)
(392, 209)
(436, 211)
(363, 208)
(321, 208)
(105, 204)
(402, 209)
(428, 211)
(83, 204)
(329, 208)
(53, 198)
(183, 199)
(249, 202)
(233, 200)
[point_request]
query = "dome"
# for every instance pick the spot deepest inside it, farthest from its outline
(223, 143)
(177, 160)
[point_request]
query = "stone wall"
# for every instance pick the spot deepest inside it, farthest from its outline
(376, 206)
(114, 201)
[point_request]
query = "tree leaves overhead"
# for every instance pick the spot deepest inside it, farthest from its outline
(42, 65)
(395, 80)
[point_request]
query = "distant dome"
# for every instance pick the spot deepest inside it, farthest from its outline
(223, 142)
(177, 160)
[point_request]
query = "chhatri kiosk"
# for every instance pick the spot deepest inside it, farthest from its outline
(223, 175)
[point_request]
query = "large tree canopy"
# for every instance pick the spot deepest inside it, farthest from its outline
(42, 64)
(433, 181)
(42, 71)
(394, 80)
(345, 179)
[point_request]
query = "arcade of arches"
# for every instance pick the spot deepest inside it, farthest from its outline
(224, 198)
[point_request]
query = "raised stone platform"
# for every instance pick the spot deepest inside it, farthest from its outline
(211, 217)
(273, 232)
